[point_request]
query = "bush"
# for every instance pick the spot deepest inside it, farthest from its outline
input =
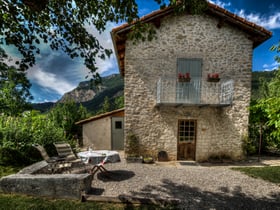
(11, 156)
(19, 133)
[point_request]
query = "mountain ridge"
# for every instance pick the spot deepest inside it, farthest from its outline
(89, 95)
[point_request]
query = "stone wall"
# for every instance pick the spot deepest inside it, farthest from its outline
(27, 182)
(225, 50)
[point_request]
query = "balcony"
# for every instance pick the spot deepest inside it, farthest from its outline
(196, 92)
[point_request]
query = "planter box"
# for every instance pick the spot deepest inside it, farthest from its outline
(213, 79)
(184, 79)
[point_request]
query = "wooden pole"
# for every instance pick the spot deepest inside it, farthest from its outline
(260, 143)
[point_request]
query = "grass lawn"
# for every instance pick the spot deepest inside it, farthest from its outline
(22, 202)
(268, 173)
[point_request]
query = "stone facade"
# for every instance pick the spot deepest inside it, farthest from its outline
(226, 50)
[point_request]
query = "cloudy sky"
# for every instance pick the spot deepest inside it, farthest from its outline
(55, 73)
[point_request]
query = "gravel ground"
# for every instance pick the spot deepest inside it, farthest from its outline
(193, 186)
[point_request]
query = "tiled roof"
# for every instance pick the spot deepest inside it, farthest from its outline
(259, 34)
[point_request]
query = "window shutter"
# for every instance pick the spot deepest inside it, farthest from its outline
(191, 65)
(189, 92)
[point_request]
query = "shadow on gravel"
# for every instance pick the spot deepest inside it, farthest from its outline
(193, 198)
(115, 175)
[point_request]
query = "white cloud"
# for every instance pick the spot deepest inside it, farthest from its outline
(269, 22)
(105, 41)
(220, 3)
(49, 81)
(270, 67)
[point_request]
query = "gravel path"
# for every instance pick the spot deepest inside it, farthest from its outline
(194, 186)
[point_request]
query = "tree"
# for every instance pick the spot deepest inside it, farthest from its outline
(265, 114)
(65, 114)
(106, 105)
(62, 25)
(14, 89)
(270, 106)
(119, 102)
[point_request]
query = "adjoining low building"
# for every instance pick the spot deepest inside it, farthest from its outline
(104, 131)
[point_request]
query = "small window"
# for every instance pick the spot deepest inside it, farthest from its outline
(118, 125)
(187, 130)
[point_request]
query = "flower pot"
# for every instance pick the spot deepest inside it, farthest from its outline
(148, 160)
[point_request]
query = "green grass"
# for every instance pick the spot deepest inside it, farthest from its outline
(268, 173)
(21, 202)
(7, 170)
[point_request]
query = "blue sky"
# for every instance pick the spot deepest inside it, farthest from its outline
(55, 73)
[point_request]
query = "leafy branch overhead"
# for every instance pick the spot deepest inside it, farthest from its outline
(61, 24)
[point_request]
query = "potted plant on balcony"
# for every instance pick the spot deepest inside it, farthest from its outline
(184, 77)
(214, 77)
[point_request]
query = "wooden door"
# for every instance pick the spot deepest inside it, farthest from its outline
(186, 139)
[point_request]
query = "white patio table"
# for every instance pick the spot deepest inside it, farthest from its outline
(97, 156)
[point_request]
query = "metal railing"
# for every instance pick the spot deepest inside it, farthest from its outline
(197, 91)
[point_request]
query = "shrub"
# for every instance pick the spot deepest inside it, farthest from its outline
(19, 133)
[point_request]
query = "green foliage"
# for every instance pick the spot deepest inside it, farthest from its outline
(276, 48)
(250, 145)
(142, 32)
(19, 133)
(7, 170)
(112, 88)
(62, 25)
(271, 109)
(106, 105)
(64, 115)
(260, 80)
(265, 115)
(14, 89)
(133, 146)
(192, 6)
(119, 102)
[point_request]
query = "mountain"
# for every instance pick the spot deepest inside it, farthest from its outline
(89, 95)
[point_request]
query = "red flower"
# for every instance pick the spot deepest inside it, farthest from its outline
(214, 75)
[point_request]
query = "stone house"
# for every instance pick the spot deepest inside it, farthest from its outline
(188, 90)
(104, 131)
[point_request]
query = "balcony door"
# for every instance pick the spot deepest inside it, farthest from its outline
(189, 92)
(186, 140)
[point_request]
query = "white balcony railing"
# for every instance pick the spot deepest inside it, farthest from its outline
(195, 92)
